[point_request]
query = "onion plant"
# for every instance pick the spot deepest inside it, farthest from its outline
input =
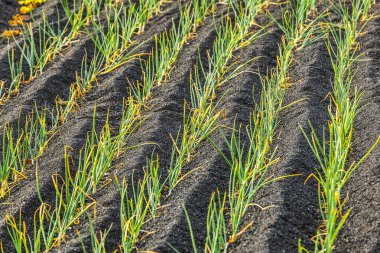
(216, 222)
(89, 71)
(250, 162)
(298, 31)
(333, 150)
(41, 44)
(146, 196)
(138, 200)
(154, 184)
(73, 191)
(160, 63)
(98, 240)
(113, 37)
(21, 148)
(161, 60)
(133, 213)
(8, 159)
(202, 118)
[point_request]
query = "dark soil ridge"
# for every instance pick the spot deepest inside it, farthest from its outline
(292, 211)
(51, 11)
(163, 117)
(276, 229)
(58, 76)
(108, 94)
(46, 88)
(195, 191)
(361, 231)
(69, 69)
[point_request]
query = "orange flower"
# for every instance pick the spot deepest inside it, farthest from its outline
(25, 2)
(29, 5)
(17, 20)
(26, 9)
(31, 2)
(10, 33)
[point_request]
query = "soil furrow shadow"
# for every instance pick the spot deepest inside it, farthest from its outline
(290, 206)
(161, 22)
(163, 116)
(108, 95)
(51, 10)
(211, 172)
(43, 91)
(361, 232)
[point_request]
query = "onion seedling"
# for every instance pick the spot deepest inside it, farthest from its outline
(332, 151)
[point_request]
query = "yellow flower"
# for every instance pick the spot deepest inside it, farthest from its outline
(25, 2)
(10, 33)
(31, 2)
(29, 5)
(17, 20)
(26, 9)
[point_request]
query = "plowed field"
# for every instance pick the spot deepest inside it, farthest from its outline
(288, 211)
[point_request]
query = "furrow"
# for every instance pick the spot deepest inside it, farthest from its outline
(190, 116)
(364, 186)
(163, 116)
(210, 171)
(290, 206)
(11, 7)
(107, 96)
(43, 91)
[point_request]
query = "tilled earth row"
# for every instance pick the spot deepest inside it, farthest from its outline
(284, 211)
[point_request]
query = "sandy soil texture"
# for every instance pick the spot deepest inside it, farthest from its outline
(292, 211)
